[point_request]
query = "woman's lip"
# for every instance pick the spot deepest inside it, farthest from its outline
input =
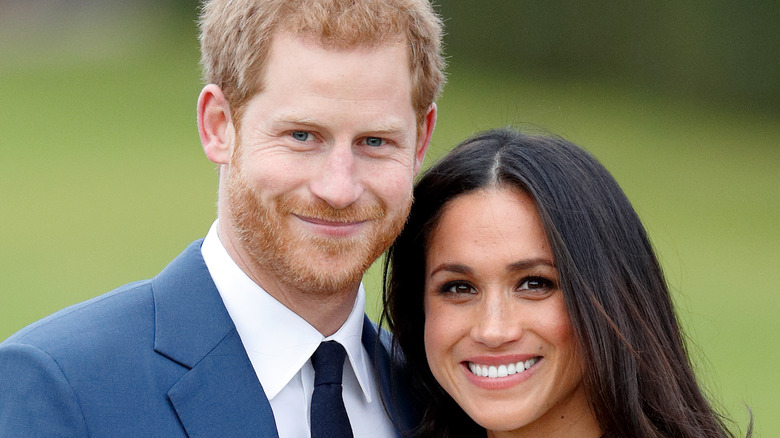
(500, 360)
(504, 381)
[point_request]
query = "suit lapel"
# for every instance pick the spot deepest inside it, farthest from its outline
(220, 394)
(393, 381)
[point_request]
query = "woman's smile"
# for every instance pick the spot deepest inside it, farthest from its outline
(502, 370)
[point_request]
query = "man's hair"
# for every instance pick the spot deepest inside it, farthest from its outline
(235, 38)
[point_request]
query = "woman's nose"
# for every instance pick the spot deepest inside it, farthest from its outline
(497, 323)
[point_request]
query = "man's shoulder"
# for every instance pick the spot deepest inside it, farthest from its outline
(375, 335)
(102, 364)
(115, 317)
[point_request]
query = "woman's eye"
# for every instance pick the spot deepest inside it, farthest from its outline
(302, 135)
(374, 142)
(535, 284)
(458, 288)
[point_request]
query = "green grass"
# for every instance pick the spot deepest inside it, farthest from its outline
(103, 182)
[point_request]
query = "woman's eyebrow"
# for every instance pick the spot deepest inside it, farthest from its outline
(452, 267)
(531, 263)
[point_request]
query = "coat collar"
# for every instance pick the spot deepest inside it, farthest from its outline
(393, 378)
(220, 394)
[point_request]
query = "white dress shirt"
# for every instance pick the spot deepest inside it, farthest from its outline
(280, 343)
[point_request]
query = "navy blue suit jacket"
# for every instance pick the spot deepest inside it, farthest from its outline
(159, 357)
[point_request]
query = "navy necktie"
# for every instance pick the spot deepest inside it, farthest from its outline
(328, 415)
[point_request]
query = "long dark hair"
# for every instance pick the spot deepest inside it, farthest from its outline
(638, 376)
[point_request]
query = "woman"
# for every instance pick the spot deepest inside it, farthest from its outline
(525, 292)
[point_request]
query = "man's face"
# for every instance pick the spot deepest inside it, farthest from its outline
(320, 179)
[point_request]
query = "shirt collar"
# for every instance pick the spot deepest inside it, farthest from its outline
(277, 340)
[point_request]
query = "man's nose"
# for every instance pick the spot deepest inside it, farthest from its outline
(337, 182)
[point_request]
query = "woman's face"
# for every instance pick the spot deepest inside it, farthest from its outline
(497, 334)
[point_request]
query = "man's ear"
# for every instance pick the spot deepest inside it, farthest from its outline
(215, 125)
(424, 139)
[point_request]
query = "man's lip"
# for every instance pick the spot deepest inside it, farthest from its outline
(327, 223)
(330, 228)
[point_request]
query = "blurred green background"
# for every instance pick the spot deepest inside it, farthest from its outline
(104, 182)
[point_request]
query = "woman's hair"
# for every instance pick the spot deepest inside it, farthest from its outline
(637, 374)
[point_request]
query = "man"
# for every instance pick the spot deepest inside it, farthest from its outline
(318, 114)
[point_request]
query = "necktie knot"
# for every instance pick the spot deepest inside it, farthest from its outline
(328, 363)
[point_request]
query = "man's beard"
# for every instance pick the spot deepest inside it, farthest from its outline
(309, 263)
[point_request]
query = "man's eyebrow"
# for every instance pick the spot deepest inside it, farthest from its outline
(293, 118)
(383, 126)
(391, 126)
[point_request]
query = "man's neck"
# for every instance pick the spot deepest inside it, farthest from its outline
(324, 310)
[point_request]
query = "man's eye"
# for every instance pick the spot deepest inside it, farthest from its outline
(374, 141)
(302, 135)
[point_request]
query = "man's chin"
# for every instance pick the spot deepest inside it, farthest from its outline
(323, 282)
(326, 269)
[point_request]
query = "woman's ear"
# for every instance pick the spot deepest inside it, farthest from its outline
(215, 125)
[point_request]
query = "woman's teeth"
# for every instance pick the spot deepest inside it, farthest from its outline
(493, 371)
